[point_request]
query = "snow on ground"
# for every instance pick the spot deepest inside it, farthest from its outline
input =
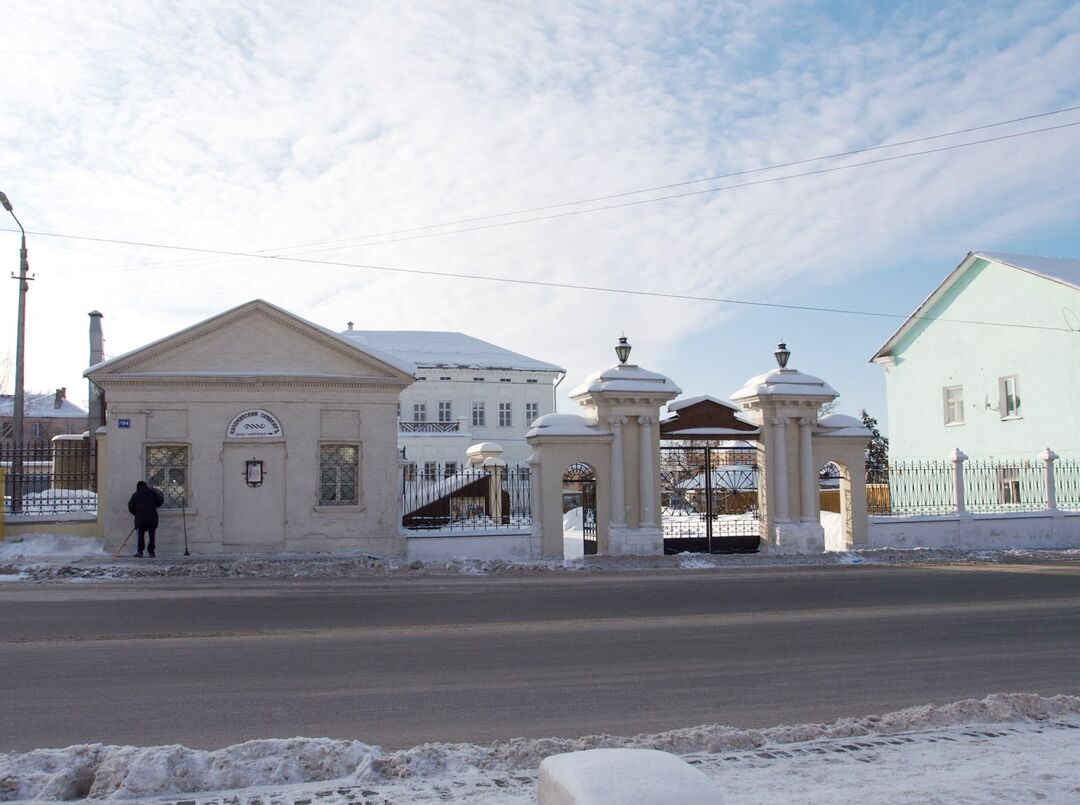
(60, 557)
(1005, 748)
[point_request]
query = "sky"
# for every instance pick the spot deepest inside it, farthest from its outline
(358, 133)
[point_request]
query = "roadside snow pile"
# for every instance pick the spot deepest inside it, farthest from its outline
(44, 557)
(51, 547)
(125, 773)
(128, 772)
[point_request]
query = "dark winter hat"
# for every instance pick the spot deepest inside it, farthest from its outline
(140, 485)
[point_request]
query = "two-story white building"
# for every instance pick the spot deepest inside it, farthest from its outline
(989, 363)
(466, 391)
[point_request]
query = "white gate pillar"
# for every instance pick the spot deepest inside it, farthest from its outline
(772, 399)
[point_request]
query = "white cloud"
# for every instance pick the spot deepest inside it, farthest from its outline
(260, 126)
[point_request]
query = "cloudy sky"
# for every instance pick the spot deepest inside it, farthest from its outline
(359, 133)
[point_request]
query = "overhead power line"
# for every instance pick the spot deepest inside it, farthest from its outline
(716, 178)
(569, 285)
(409, 231)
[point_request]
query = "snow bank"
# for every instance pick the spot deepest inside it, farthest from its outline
(126, 772)
(619, 776)
(53, 547)
(129, 772)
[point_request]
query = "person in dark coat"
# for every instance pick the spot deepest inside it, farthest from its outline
(144, 505)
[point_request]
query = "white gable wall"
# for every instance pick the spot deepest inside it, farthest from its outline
(185, 391)
(937, 353)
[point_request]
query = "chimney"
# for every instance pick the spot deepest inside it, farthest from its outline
(350, 325)
(61, 395)
(96, 418)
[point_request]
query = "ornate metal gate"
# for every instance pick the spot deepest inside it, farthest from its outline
(709, 497)
(579, 489)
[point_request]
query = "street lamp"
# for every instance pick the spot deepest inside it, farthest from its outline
(17, 404)
(622, 350)
(782, 354)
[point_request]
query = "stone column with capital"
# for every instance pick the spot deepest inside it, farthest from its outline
(809, 499)
(618, 473)
(646, 473)
(778, 480)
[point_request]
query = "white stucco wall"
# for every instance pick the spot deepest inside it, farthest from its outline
(185, 390)
(936, 354)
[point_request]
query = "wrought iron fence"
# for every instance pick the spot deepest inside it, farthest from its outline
(995, 486)
(1067, 484)
(44, 479)
(429, 427)
(908, 488)
(469, 499)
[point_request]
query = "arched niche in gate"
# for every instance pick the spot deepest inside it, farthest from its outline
(561, 442)
(579, 510)
(840, 440)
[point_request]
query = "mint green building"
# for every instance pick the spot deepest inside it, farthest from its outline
(989, 363)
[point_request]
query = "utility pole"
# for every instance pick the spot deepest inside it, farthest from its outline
(20, 351)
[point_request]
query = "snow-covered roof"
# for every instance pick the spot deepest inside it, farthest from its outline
(1063, 270)
(441, 349)
(686, 402)
(564, 425)
(42, 406)
(784, 383)
(628, 378)
(842, 425)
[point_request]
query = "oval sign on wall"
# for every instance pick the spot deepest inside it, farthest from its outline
(254, 424)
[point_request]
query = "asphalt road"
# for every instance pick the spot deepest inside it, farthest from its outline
(401, 661)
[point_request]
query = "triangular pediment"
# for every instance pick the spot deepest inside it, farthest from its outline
(254, 339)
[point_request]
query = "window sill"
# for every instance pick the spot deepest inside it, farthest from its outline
(953, 424)
(347, 507)
(177, 512)
(1011, 418)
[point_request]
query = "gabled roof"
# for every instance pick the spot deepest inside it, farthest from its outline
(705, 417)
(392, 365)
(441, 349)
(1063, 270)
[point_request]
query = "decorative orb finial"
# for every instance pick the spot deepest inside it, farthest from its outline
(622, 349)
(782, 354)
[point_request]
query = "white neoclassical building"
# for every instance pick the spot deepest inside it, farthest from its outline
(264, 431)
(467, 391)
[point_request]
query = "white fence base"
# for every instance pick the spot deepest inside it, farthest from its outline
(623, 776)
(513, 546)
(997, 531)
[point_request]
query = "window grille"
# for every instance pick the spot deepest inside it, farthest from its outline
(532, 380)
(506, 416)
(478, 380)
(339, 473)
(532, 411)
(409, 472)
(478, 414)
(444, 377)
(505, 380)
(450, 468)
(419, 411)
(37, 431)
(431, 470)
(446, 411)
(167, 470)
